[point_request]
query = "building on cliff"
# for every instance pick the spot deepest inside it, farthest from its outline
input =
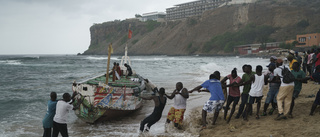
(240, 1)
(196, 8)
(308, 40)
(155, 16)
(254, 48)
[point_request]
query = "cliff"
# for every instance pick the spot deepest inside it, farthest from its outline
(198, 35)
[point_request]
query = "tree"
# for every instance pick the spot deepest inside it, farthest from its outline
(263, 33)
(303, 24)
(138, 15)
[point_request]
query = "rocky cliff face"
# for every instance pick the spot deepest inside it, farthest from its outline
(186, 37)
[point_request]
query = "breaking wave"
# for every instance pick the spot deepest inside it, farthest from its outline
(11, 62)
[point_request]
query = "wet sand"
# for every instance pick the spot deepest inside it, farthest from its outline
(300, 125)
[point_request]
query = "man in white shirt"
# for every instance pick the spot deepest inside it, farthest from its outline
(284, 97)
(60, 119)
(255, 95)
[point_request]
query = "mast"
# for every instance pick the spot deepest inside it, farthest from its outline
(110, 50)
(125, 58)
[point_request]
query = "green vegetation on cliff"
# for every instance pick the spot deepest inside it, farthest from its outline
(249, 34)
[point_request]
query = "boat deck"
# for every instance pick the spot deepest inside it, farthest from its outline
(130, 81)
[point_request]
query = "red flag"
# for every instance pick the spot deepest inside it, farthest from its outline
(130, 34)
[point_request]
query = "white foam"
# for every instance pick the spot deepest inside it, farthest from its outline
(96, 58)
(11, 62)
(32, 57)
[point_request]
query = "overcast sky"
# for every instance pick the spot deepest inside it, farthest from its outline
(62, 26)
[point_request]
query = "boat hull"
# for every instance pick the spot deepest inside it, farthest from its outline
(98, 102)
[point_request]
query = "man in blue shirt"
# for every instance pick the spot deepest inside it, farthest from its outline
(48, 118)
(216, 100)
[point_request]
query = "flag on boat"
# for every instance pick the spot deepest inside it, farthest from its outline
(130, 34)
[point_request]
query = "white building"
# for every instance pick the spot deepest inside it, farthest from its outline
(241, 1)
(155, 16)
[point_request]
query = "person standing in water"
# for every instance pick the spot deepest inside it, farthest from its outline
(176, 112)
(60, 119)
(48, 118)
(159, 102)
(234, 92)
(215, 102)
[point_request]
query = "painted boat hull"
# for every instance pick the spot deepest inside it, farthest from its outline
(98, 102)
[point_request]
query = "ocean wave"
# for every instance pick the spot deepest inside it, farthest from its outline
(101, 58)
(31, 57)
(147, 59)
(24, 57)
(211, 67)
(11, 62)
(96, 58)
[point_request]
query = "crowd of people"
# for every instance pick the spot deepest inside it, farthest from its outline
(284, 80)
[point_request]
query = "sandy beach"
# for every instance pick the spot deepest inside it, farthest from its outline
(300, 125)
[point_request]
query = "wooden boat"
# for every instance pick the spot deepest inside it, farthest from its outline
(97, 101)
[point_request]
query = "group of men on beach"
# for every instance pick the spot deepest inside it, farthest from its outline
(282, 92)
(281, 95)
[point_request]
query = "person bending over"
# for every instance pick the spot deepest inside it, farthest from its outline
(60, 119)
(215, 102)
(159, 102)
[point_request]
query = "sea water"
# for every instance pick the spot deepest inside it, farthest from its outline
(27, 80)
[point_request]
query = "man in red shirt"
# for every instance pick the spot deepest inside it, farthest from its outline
(234, 92)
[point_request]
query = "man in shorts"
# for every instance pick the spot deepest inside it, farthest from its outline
(255, 95)
(214, 104)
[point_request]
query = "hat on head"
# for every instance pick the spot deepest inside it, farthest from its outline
(289, 56)
(292, 51)
(271, 64)
(279, 61)
(274, 57)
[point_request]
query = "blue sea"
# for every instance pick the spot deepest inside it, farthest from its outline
(27, 80)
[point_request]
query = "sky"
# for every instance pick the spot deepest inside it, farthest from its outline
(62, 26)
